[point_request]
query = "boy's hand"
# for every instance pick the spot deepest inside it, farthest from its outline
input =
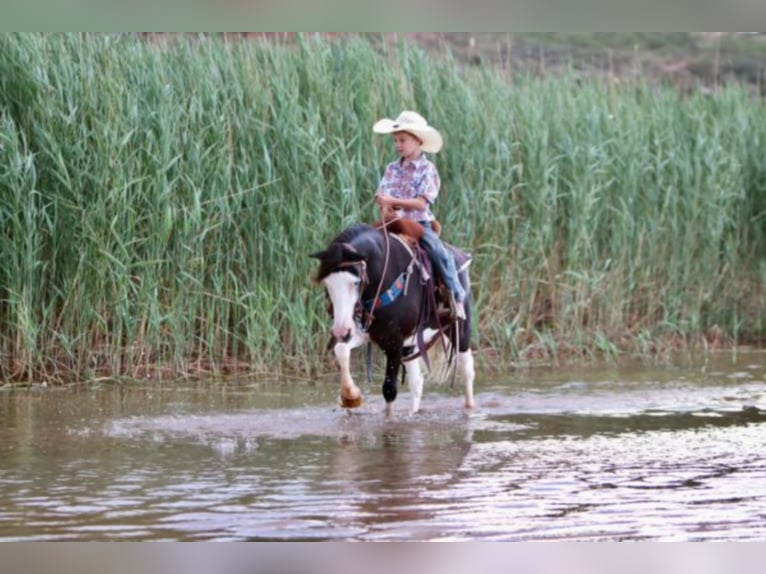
(386, 206)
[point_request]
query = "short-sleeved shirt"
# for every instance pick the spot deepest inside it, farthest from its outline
(418, 179)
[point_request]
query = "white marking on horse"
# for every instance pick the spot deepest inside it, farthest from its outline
(343, 290)
(415, 378)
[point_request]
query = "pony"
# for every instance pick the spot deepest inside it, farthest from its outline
(380, 289)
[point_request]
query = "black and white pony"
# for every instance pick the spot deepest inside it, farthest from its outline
(378, 291)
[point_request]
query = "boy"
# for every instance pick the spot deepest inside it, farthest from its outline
(409, 187)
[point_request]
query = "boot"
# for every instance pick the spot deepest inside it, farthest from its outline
(457, 309)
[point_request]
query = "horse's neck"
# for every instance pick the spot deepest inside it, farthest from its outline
(396, 257)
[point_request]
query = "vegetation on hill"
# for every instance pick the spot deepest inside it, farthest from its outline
(690, 60)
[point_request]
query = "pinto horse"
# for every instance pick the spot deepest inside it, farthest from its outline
(378, 291)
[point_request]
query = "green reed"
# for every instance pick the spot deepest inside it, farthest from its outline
(158, 202)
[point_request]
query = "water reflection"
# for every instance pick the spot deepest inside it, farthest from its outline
(388, 473)
(663, 455)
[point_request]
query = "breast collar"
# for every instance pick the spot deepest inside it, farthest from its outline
(389, 295)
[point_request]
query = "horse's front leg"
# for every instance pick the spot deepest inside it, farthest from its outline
(393, 363)
(350, 395)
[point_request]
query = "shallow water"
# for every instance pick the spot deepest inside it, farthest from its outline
(562, 454)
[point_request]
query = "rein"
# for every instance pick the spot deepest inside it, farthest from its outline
(374, 303)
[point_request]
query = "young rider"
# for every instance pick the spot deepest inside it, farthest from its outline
(409, 188)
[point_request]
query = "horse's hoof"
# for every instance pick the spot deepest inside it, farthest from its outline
(351, 403)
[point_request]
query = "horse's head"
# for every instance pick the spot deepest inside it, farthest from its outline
(343, 270)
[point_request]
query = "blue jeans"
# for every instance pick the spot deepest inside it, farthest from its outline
(442, 260)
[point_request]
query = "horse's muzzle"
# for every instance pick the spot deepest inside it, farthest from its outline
(337, 337)
(342, 332)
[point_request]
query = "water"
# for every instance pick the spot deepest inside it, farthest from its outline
(620, 454)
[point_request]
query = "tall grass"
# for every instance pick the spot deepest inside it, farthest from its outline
(157, 203)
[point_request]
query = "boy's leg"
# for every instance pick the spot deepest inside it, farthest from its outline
(445, 262)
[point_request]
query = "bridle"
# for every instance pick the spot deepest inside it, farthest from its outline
(364, 310)
(362, 317)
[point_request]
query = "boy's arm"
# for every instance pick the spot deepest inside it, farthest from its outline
(388, 202)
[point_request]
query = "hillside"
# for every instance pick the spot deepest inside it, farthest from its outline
(687, 59)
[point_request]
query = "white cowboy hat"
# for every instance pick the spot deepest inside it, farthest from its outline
(415, 124)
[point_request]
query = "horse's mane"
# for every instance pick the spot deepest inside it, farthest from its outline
(351, 233)
(362, 236)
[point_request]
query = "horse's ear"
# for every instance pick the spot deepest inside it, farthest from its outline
(338, 252)
(318, 254)
(352, 254)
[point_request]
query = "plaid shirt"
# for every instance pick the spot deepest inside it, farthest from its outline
(418, 179)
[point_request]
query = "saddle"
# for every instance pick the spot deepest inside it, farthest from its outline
(409, 228)
(412, 231)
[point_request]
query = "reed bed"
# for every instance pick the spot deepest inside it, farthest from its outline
(158, 202)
